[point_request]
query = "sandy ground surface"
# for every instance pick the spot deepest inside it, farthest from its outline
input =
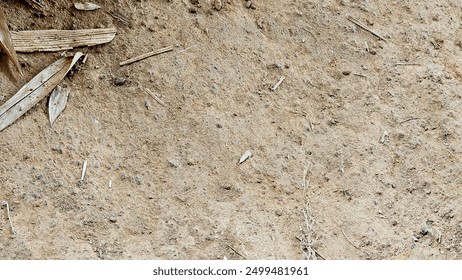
(363, 136)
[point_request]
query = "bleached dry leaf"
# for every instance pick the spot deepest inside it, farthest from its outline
(57, 103)
(35, 90)
(86, 6)
(5, 41)
(60, 40)
(245, 156)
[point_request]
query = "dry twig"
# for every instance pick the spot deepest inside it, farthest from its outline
(146, 55)
(275, 87)
(5, 204)
(307, 242)
(155, 97)
(84, 170)
(406, 64)
(351, 242)
(235, 251)
(350, 18)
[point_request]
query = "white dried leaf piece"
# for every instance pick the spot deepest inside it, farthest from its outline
(57, 103)
(53, 40)
(86, 6)
(36, 89)
(245, 156)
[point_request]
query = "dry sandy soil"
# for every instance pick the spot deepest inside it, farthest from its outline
(319, 141)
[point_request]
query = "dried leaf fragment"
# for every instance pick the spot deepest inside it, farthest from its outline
(57, 103)
(6, 43)
(36, 89)
(88, 6)
(245, 156)
(60, 40)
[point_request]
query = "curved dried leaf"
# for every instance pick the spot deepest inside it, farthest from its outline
(35, 90)
(86, 6)
(57, 103)
(5, 41)
(245, 156)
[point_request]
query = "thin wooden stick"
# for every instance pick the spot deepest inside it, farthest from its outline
(235, 251)
(365, 28)
(155, 97)
(84, 170)
(120, 17)
(5, 203)
(407, 64)
(351, 242)
(275, 87)
(146, 55)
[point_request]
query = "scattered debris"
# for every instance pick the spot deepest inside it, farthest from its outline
(155, 97)
(245, 156)
(88, 6)
(84, 170)
(275, 87)
(36, 89)
(5, 204)
(57, 103)
(146, 55)
(384, 137)
(308, 241)
(6, 43)
(59, 40)
(350, 18)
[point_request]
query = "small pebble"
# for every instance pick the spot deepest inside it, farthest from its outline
(138, 179)
(218, 5)
(424, 231)
(279, 212)
(248, 4)
(174, 163)
(119, 81)
(260, 22)
(113, 219)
